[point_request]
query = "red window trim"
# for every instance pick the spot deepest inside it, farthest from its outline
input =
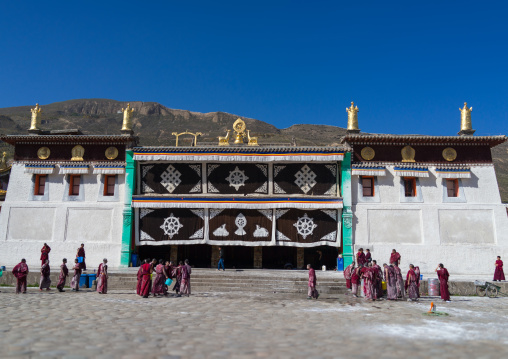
(456, 188)
(106, 185)
(413, 181)
(372, 183)
(37, 185)
(71, 184)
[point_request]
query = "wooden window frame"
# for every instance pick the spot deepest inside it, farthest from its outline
(37, 187)
(106, 185)
(413, 181)
(455, 181)
(71, 185)
(372, 181)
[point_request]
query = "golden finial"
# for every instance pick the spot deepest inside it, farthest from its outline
(34, 125)
(127, 123)
(466, 127)
(239, 128)
(352, 118)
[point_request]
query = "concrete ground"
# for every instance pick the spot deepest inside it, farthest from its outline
(246, 325)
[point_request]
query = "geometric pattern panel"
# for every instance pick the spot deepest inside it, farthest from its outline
(311, 179)
(307, 226)
(171, 178)
(247, 225)
(238, 178)
(171, 224)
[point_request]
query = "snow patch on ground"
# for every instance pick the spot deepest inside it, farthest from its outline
(344, 308)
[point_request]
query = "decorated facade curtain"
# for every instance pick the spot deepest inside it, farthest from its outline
(237, 178)
(171, 226)
(240, 225)
(304, 228)
(171, 178)
(307, 179)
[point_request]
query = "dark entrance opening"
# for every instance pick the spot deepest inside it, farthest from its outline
(151, 252)
(199, 255)
(322, 255)
(279, 257)
(238, 257)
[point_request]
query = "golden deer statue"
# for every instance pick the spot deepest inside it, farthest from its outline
(253, 141)
(224, 140)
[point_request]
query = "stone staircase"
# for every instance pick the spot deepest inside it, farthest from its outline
(246, 281)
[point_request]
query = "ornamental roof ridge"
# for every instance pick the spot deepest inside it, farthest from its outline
(423, 139)
(13, 139)
(417, 165)
(232, 149)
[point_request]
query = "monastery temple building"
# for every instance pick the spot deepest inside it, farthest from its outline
(433, 198)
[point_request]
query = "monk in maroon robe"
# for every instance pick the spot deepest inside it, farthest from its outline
(186, 275)
(499, 272)
(369, 276)
(62, 278)
(81, 253)
(146, 280)
(77, 276)
(177, 273)
(102, 277)
(355, 280)
(417, 272)
(160, 278)
(391, 282)
(411, 284)
(378, 284)
(442, 274)
(360, 257)
(312, 292)
(368, 256)
(20, 271)
(140, 279)
(347, 275)
(168, 274)
(45, 281)
(401, 293)
(45, 253)
(395, 258)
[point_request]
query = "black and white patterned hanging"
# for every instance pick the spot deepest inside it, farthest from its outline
(175, 178)
(316, 179)
(241, 178)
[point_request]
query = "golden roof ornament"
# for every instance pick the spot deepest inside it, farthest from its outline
(466, 126)
(352, 118)
(241, 134)
(34, 125)
(408, 154)
(127, 123)
(194, 142)
(239, 128)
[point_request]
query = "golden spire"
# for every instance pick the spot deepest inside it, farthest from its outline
(352, 118)
(127, 123)
(34, 125)
(466, 127)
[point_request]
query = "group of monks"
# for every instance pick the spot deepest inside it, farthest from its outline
(164, 275)
(373, 277)
(20, 271)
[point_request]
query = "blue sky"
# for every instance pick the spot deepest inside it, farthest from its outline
(408, 65)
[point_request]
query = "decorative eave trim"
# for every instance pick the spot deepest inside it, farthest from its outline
(411, 172)
(368, 171)
(65, 139)
(237, 202)
(109, 170)
(40, 169)
(404, 140)
(452, 173)
(74, 169)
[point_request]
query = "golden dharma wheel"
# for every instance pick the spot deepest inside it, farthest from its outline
(449, 154)
(111, 153)
(368, 153)
(43, 153)
(239, 126)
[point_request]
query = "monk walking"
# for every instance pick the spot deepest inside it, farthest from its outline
(158, 282)
(355, 280)
(20, 271)
(378, 284)
(443, 275)
(347, 274)
(395, 258)
(391, 282)
(102, 277)
(499, 272)
(77, 275)
(62, 278)
(411, 284)
(81, 254)
(45, 253)
(146, 281)
(45, 281)
(312, 292)
(140, 278)
(369, 276)
(185, 288)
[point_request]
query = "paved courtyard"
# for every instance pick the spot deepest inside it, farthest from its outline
(243, 325)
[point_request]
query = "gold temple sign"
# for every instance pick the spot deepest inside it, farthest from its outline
(194, 142)
(111, 153)
(77, 153)
(34, 125)
(449, 154)
(43, 153)
(408, 154)
(368, 153)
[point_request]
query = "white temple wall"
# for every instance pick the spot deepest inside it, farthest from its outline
(95, 220)
(465, 235)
